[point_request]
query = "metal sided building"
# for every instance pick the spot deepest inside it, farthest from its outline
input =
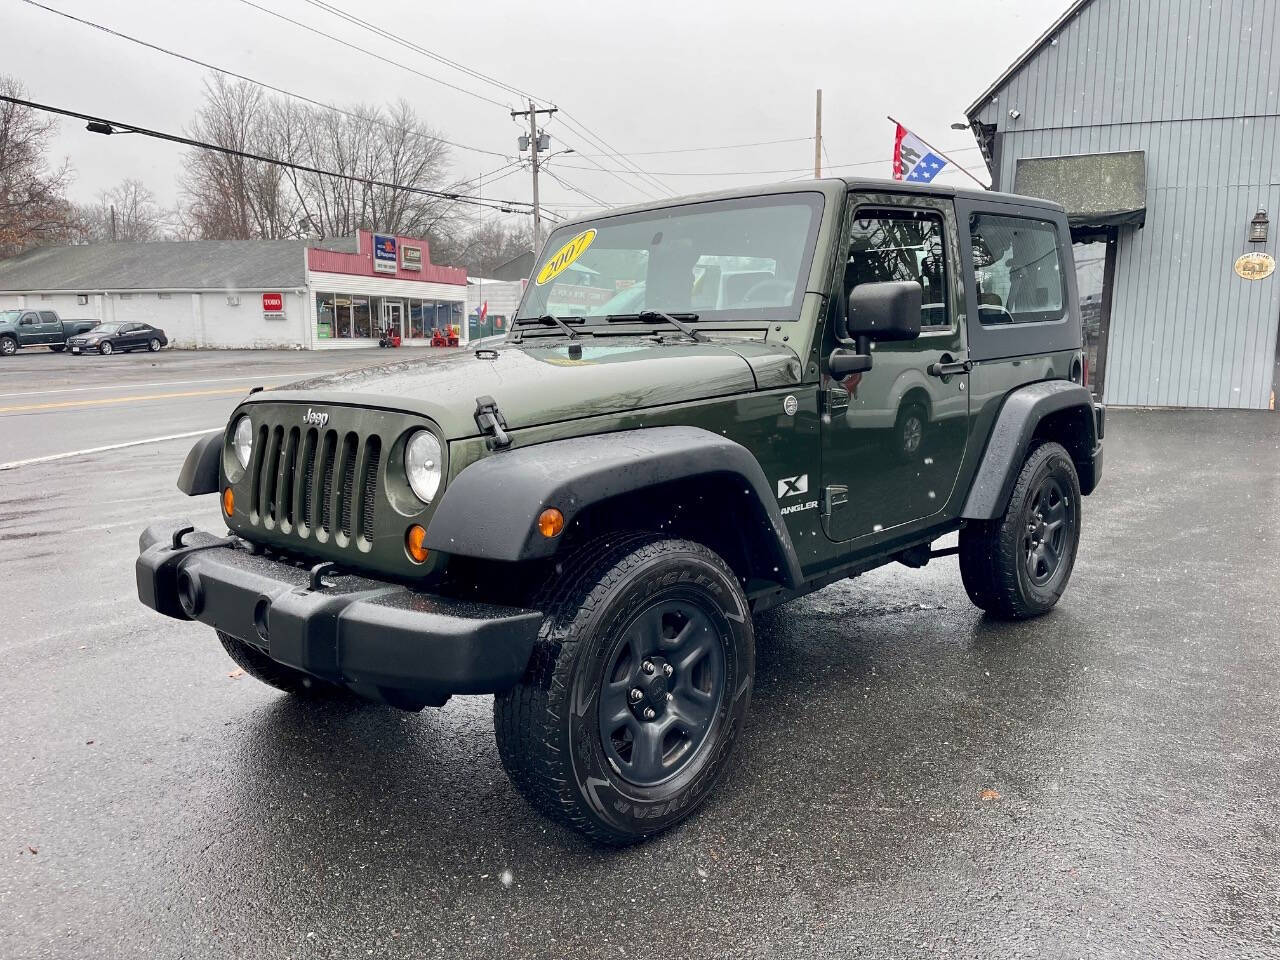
(1157, 126)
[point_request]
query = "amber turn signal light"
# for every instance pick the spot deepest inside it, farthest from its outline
(413, 544)
(550, 522)
(228, 501)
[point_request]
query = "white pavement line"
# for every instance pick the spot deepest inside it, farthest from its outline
(139, 386)
(113, 446)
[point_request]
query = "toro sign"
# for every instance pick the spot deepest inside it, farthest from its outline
(273, 303)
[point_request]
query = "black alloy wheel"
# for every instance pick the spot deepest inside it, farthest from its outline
(1018, 564)
(637, 689)
(660, 691)
(1050, 525)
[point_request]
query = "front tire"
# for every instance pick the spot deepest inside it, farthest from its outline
(637, 689)
(8, 346)
(105, 348)
(1018, 565)
(261, 667)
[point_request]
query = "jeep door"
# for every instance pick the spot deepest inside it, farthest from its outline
(894, 436)
(50, 327)
(30, 332)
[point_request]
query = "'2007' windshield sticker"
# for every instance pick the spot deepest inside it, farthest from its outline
(570, 252)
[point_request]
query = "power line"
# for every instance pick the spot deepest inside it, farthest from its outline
(376, 56)
(752, 173)
(583, 131)
(723, 146)
(113, 126)
(240, 76)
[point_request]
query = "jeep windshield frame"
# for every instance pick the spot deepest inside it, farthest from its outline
(736, 260)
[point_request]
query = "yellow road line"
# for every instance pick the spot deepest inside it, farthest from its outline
(108, 401)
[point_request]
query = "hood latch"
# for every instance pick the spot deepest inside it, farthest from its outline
(492, 423)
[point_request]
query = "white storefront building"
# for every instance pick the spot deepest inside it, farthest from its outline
(231, 294)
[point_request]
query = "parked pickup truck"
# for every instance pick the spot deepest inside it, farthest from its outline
(37, 328)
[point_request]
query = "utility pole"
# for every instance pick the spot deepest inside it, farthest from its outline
(817, 140)
(537, 141)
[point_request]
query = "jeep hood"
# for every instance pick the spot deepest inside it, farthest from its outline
(535, 384)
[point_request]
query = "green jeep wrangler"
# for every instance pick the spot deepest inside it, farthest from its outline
(703, 408)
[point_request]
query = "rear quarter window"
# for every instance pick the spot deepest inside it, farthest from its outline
(1018, 268)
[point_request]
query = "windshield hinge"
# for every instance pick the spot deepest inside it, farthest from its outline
(492, 423)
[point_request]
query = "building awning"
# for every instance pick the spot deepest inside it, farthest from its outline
(1097, 189)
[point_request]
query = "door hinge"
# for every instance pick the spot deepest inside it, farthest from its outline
(835, 400)
(833, 498)
(492, 423)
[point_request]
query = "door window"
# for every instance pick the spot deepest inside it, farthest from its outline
(901, 245)
(29, 320)
(1018, 268)
(48, 316)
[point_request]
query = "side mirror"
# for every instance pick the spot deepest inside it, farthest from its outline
(889, 310)
(885, 311)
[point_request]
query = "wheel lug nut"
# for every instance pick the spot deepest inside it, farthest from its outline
(667, 669)
(636, 694)
(648, 713)
(647, 666)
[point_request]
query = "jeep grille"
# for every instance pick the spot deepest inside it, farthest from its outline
(308, 480)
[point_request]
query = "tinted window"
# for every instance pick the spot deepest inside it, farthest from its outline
(48, 316)
(29, 318)
(1018, 269)
(901, 245)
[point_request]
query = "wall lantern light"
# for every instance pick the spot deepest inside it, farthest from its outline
(1258, 227)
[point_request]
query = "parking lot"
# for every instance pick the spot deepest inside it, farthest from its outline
(914, 779)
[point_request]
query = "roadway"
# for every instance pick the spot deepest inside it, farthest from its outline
(914, 780)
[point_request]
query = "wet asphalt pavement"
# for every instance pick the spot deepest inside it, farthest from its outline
(913, 780)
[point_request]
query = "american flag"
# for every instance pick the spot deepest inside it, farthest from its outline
(913, 161)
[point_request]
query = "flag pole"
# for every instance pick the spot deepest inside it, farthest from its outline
(941, 154)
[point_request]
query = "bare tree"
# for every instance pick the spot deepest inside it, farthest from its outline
(230, 197)
(33, 205)
(484, 248)
(376, 161)
(127, 212)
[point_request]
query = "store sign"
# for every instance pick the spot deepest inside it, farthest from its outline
(1256, 266)
(272, 304)
(384, 253)
(410, 258)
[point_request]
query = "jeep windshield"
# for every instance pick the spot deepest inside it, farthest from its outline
(721, 260)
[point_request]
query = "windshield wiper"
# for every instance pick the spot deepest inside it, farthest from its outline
(657, 316)
(549, 320)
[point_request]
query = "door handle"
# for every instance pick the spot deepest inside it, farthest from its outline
(947, 367)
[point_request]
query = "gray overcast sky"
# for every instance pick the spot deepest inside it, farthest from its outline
(654, 76)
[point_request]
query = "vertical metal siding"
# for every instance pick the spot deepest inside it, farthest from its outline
(1195, 84)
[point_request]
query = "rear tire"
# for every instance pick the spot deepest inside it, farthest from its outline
(58, 347)
(261, 667)
(630, 614)
(1018, 565)
(154, 345)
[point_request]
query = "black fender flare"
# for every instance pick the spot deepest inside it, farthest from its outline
(1015, 426)
(199, 474)
(490, 509)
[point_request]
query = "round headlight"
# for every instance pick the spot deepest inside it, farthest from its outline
(422, 464)
(242, 441)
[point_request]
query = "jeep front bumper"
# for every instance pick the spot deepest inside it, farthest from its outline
(381, 640)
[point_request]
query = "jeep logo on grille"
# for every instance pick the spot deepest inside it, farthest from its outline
(315, 418)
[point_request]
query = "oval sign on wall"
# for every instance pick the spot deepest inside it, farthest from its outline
(1256, 266)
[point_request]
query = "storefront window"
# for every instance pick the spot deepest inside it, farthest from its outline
(360, 318)
(324, 316)
(417, 321)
